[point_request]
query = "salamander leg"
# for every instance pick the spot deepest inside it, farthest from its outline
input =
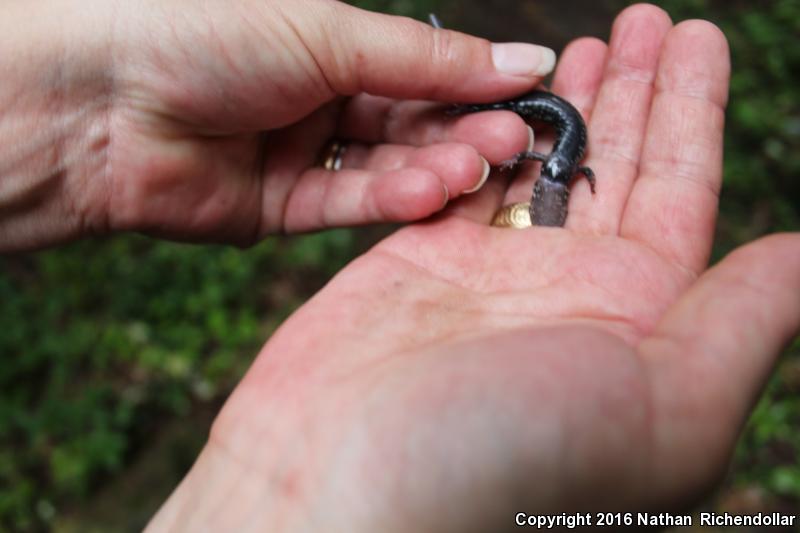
(589, 173)
(522, 156)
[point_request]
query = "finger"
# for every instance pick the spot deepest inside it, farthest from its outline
(577, 79)
(296, 198)
(481, 206)
(460, 168)
(673, 205)
(374, 119)
(409, 184)
(351, 197)
(359, 51)
(619, 119)
(712, 353)
(580, 73)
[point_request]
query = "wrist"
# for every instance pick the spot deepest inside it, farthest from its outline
(223, 494)
(54, 104)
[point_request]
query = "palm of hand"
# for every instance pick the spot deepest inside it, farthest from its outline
(482, 369)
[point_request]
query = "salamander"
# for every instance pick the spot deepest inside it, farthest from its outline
(550, 196)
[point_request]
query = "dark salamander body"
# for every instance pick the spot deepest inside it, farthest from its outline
(551, 190)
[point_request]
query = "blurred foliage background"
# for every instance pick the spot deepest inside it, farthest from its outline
(117, 353)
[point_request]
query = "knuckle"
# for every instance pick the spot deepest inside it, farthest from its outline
(442, 48)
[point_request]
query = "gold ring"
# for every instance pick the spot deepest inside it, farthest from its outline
(513, 216)
(331, 156)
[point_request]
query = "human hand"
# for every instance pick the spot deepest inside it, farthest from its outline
(204, 121)
(458, 374)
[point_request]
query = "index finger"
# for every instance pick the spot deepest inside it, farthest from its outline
(359, 51)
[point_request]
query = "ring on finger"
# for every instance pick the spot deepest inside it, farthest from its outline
(331, 155)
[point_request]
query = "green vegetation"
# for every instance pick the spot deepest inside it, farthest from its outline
(104, 343)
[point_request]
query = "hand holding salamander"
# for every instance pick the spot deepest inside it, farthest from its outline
(548, 205)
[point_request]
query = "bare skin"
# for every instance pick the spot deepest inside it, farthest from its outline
(204, 121)
(458, 374)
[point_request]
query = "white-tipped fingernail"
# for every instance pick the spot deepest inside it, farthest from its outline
(486, 170)
(523, 59)
(531, 138)
(446, 196)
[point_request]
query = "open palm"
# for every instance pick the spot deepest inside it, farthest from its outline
(457, 374)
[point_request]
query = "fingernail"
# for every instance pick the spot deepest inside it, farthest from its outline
(446, 197)
(530, 139)
(523, 59)
(484, 177)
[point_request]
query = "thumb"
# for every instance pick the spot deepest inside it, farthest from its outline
(360, 51)
(713, 351)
